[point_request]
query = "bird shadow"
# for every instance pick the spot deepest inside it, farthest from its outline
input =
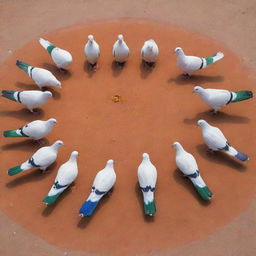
(220, 117)
(26, 86)
(56, 95)
(220, 158)
(146, 69)
(25, 145)
(61, 74)
(88, 68)
(85, 221)
(50, 208)
(188, 185)
(31, 176)
(23, 114)
(117, 68)
(139, 197)
(195, 79)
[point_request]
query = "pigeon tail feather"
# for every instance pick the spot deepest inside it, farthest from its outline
(150, 208)
(242, 95)
(15, 170)
(88, 208)
(204, 192)
(235, 153)
(9, 95)
(214, 58)
(12, 133)
(241, 156)
(22, 65)
(51, 199)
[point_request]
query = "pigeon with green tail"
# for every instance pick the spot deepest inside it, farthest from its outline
(67, 173)
(217, 98)
(42, 77)
(147, 176)
(41, 159)
(188, 166)
(190, 64)
(35, 130)
(60, 57)
(31, 99)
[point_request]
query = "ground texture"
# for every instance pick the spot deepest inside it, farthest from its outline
(183, 224)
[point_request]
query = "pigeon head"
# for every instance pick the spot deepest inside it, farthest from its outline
(197, 89)
(110, 163)
(145, 156)
(150, 47)
(52, 121)
(58, 143)
(202, 123)
(48, 94)
(178, 50)
(58, 84)
(176, 145)
(74, 155)
(90, 38)
(120, 38)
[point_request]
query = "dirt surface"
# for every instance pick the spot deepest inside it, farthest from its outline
(146, 120)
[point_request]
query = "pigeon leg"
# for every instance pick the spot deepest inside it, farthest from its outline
(213, 111)
(186, 75)
(41, 142)
(63, 70)
(94, 67)
(210, 151)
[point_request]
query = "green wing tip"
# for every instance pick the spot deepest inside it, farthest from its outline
(205, 193)
(14, 170)
(150, 208)
(50, 199)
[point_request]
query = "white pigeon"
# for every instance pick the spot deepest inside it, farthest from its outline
(190, 64)
(41, 159)
(92, 51)
(42, 77)
(120, 50)
(32, 99)
(216, 141)
(67, 173)
(35, 130)
(149, 51)
(216, 98)
(188, 166)
(60, 57)
(103, 182)
(147, 176)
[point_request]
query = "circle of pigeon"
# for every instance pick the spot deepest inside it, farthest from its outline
(106, 178)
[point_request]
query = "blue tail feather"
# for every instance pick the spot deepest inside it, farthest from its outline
(88, 208)
(241, 156)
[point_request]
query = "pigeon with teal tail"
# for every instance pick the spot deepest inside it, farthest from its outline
(188, 166)
(217, 98)
(120, 50)
(31, 99)
(216, 141)
(35, 130)
(92, 51)
(60, 57)
(147, 176)
(41, 159)
(67, 173)
(103, 182)
(190, 64)
(42, 77)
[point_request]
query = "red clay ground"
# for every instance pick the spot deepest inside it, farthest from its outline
(157, 109)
